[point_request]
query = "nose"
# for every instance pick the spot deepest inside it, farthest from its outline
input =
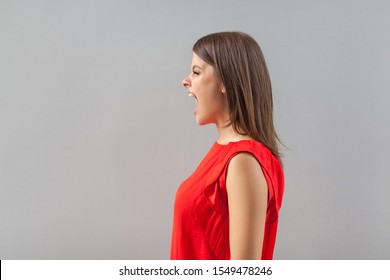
(186, 82)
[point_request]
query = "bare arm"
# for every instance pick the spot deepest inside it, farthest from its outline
(247, 198)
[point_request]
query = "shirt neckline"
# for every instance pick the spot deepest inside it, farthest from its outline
(234, 142)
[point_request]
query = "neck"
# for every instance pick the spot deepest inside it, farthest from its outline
(228, 134)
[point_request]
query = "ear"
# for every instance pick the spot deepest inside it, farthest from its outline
(223, 90)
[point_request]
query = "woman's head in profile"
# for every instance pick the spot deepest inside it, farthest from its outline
(230, 81)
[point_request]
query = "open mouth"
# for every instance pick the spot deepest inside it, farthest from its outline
(193, 95)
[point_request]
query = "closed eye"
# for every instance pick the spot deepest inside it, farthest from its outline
(195, 70)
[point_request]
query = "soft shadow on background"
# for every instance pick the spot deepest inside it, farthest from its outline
(96, 132)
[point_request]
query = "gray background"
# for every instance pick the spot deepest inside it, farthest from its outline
(96, 132)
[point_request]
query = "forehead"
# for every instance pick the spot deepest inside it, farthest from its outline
(197, 61)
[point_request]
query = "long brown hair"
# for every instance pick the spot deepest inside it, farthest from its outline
(240, 65)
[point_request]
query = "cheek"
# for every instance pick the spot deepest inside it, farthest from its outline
(209, 96)
(214, 104)
(216, 96)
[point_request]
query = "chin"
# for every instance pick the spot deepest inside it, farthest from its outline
(203, 121)
(200, 122)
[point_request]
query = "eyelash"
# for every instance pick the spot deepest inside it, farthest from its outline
(195, 73)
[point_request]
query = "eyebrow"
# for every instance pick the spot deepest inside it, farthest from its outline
(196, 66)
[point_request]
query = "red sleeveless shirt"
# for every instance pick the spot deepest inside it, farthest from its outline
(201, 216)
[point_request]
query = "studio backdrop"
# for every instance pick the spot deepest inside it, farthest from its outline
(97, 133)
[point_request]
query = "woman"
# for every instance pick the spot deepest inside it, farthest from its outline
(228, 208)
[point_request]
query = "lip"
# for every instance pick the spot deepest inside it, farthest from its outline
(193, 95)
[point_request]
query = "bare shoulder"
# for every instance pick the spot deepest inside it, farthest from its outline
(245, 164)
(245, 159)
(245, 171)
